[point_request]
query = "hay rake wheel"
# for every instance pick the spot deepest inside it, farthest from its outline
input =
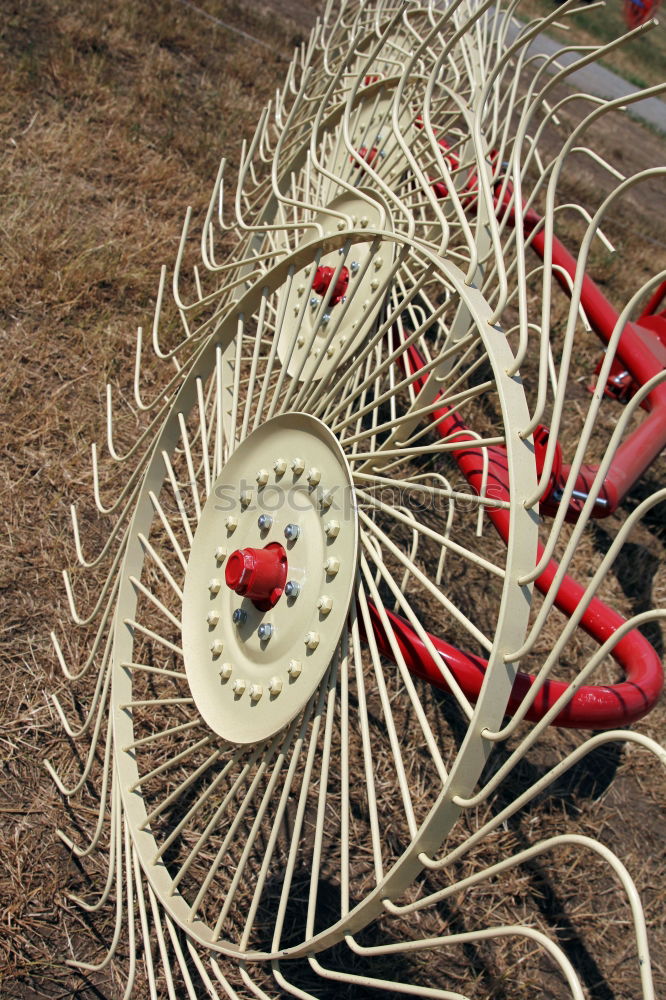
(243, 770)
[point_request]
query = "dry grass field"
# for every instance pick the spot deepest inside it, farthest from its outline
(114, 116)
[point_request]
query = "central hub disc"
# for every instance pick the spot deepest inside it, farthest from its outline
(269, 578)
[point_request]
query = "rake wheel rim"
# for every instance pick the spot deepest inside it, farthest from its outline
(474, 751)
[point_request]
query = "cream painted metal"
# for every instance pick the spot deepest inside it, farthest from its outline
(252, 826)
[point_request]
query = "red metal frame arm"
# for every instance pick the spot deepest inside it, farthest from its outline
(592, 706)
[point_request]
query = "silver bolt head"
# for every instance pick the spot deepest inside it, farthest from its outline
(312, 640)
(275, 686)
(214, 585)
(354, 266)
(265, 631)
(294, 668)
(292, 588)
(314, 476)
(332, 565)
(332, 529)
(216, 647)
(291, 532)
(239, 617)
(213, 617)
(265, 521)
(256, 691)
(314, 302)
(326, 318)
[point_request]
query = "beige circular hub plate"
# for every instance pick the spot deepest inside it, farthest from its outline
(251, 671)
(327, 332)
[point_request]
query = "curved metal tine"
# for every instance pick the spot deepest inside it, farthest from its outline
(83, 852)
(109, 583)
(90, 757)
(614, 442)
(595, 403)
(76, 734)
(582, 257)
(114, 874)
(149, 431)
(95, 646)
(537, 850)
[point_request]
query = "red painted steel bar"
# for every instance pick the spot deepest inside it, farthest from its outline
(592, 706)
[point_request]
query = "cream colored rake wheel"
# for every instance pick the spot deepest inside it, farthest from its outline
(228, 727)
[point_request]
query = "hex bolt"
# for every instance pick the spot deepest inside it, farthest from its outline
(225, 672)
(214, 585)
(326, 500)
(262, 477)
(312, 640)
(256, 691)
(291, 532)
(314, 302)
(220, 553)
(314, 476)
(332, 529)
(297, 466)
(332, 565)
(238, 686)
(354, 267)
(216, 647)
(275, 686)
(231, 523)
(325, 604)
(279, 466)
(265, 631)
(374, 284)
(246, 498)
(239, 616)
(213, 617)
(378, 262)
(265, 521)
(292, 588)
(294, 668)
(341, 225)
(364, 221)
(330, 351)
(300, 289)
(300, 340)
(326, 318)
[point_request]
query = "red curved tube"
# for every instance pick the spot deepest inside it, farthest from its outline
(592, 706)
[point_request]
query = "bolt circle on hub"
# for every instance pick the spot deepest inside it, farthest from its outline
(276, 648)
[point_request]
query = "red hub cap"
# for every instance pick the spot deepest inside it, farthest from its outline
(259, 574)
(322, 280)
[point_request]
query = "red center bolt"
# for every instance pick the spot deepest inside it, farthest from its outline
(322, 280)
(259, 574)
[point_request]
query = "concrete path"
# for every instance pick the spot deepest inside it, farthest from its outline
(602, 82)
